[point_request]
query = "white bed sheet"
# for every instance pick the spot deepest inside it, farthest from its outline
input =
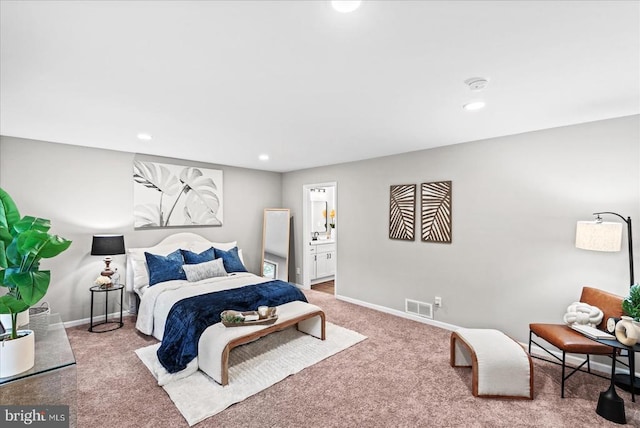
(156, 301)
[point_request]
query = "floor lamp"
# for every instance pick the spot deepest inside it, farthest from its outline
(605, 236)
(600, 235)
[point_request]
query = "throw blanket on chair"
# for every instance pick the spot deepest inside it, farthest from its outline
(190, 317)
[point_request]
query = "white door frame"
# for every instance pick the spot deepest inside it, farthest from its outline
(306, 230)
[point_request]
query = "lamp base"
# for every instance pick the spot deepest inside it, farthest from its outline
(611, 406)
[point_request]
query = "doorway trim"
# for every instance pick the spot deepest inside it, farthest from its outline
(306, 232)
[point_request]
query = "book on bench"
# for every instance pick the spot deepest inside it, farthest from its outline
(592, 332)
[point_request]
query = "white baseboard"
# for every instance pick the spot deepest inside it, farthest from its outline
(97, 318)
(398, 313)
(535, 350)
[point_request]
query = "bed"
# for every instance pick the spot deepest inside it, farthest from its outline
(174, 304)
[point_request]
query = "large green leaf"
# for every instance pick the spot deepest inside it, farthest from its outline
(54, 246)
(40, 244)
(30, 241)
(9, 213)
(9, 304)
(32, 285)
(32, 223)
(3, 259)
(13, 256)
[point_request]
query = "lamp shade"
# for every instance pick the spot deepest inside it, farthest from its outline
(107, 245)
(599, 236)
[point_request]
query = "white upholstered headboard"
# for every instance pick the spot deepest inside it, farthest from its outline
(186, 240)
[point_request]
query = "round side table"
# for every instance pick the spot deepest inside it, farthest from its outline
(115, 324)
(610, 404)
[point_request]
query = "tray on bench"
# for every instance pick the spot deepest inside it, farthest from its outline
(262, 321)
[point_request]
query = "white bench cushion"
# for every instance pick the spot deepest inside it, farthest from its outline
(215, 339)
(501, 367)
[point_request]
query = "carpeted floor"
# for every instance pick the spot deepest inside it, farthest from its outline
(400, 376)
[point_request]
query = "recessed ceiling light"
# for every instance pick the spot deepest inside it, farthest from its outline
(345, 6)
(474, 105)
(263, 157)
(144, 137)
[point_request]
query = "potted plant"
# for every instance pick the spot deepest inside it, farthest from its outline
(24, 241)
(631, 305)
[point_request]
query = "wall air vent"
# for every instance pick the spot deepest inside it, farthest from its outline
(421, 309)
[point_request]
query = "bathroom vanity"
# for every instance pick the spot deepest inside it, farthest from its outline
(322, 259)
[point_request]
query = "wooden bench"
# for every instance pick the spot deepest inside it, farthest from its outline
(217, 340)
(501, 367)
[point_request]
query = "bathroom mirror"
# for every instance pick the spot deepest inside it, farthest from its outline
(275, 244)
(318, 216)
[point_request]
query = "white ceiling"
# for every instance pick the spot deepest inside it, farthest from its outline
(225, 81)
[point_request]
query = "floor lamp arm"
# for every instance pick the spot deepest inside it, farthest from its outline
(629, 239)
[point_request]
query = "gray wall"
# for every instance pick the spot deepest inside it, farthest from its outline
(86, 191)
(516, 200)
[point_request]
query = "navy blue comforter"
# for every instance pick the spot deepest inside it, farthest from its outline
(190, 317)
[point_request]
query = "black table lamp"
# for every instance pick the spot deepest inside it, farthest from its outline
(107, 245)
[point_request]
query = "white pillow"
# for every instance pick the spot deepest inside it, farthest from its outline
(200, 271)
(583, 313)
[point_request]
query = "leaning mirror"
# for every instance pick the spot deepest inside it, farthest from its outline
(275, 244)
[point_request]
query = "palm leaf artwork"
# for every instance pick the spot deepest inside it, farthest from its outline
(173, 196)
(402, 209)
(436, 211)
(157, 177)
(202, 204)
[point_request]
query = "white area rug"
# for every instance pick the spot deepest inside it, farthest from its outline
(252, 368)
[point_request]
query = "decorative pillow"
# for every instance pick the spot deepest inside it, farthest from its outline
(139, 275)
(231, 260)
(192, 258)
(165, 268)
(201, 246)
(200, 271)
(583, 313)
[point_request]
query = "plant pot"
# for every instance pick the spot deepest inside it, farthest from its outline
(636, 324)
(17, 355)
(23, 319)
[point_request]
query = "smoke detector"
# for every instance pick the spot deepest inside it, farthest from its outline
(476, 83)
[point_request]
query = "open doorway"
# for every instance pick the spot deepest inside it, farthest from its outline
(320, 237)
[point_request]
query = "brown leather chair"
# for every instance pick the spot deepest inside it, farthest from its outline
(570, 341)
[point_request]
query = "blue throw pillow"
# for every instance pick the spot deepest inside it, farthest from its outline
(231, 260)
(191, 258)
(165, 268)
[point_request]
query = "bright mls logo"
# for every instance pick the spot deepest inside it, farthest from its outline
(35, 416)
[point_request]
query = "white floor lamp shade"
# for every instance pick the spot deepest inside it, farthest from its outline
(599, 236)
